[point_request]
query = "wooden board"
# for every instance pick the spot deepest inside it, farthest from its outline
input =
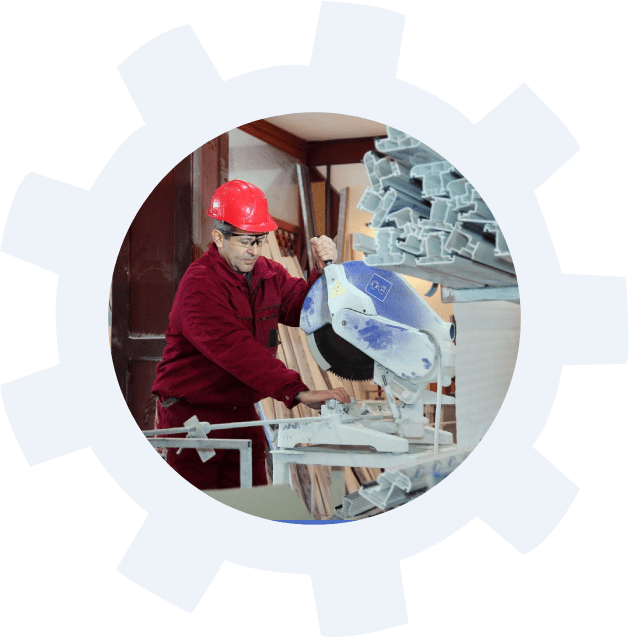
(341, 235)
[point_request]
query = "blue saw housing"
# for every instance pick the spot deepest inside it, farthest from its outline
(393, 300)
(392, 297)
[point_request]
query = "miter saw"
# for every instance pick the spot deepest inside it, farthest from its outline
(361, 323)
(365, 323)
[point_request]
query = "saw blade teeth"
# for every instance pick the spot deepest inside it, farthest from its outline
(349, 377)
(344, 359)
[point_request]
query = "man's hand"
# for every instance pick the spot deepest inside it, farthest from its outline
(314, 399)
(323, 249)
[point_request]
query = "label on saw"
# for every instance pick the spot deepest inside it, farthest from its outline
(337, 290)
(378, 287)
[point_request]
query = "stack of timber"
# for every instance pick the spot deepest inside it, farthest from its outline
(311, 483)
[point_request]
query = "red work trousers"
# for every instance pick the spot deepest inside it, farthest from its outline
(223, 470)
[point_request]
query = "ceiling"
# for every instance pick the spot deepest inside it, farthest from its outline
(326, 126)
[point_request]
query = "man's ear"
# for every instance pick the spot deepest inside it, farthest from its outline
(218, 238)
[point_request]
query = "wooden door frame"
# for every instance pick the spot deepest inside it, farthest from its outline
(194, 180)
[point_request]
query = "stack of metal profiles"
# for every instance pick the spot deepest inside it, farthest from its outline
(429, 220)
(401, 485)
(398, 486)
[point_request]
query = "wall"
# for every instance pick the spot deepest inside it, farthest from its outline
(272, 170)
(488, 338)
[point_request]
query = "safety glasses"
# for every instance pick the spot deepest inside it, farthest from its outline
(246, 241)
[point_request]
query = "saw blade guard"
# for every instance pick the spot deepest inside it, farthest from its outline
(356, 316)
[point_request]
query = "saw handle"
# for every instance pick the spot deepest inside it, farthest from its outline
(325, 263)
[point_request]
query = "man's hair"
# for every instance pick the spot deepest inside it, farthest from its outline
(224, 227)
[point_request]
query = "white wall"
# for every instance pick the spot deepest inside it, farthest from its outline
(272, 170)
(488, 338)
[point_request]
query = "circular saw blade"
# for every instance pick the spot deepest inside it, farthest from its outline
(345, 360)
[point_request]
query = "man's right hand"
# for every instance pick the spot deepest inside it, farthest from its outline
(314, 399)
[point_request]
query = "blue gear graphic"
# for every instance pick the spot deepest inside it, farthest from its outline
(512, 150)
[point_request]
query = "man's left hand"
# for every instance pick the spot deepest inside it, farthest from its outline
(323, 249)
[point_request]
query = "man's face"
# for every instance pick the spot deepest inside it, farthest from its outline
(240, 251)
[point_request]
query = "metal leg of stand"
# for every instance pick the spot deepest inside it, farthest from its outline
(280, 471)
(246, 466)
(337, 486)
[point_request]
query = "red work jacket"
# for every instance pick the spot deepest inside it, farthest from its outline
(222, 337)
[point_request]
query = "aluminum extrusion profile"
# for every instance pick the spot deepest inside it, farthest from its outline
(364, 243)
(434, 177)
(462, 192)
(353, 505)
(474, 246)
(406, 149)
(394, 486)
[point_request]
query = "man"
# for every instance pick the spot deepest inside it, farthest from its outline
(222, 337)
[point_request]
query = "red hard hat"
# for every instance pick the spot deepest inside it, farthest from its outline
(243, 205)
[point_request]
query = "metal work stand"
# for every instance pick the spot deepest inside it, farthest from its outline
(243, 446)
(339, 459)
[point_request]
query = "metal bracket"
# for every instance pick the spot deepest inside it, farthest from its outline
(469, 295)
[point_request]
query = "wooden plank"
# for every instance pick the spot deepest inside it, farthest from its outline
(305, 363)
(265, 250)
(307, 209)
(351, 482)
(339, 151)
(303, 411)
(353, 252)
(341, 238)
(321, 488)
(274, 248)
(268, 408)
(300, 479)
(359, 390)
(293, 267)
(288, 264)
(361, 475)
(315, 371)
(315, 493)
(303, 367)
(366, 474)
(337, 486)
(373, 472)
(298, 338)
(287, 348)
(328, 202)
(280, 410)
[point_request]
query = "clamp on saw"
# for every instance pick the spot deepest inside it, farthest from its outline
(365, 323)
